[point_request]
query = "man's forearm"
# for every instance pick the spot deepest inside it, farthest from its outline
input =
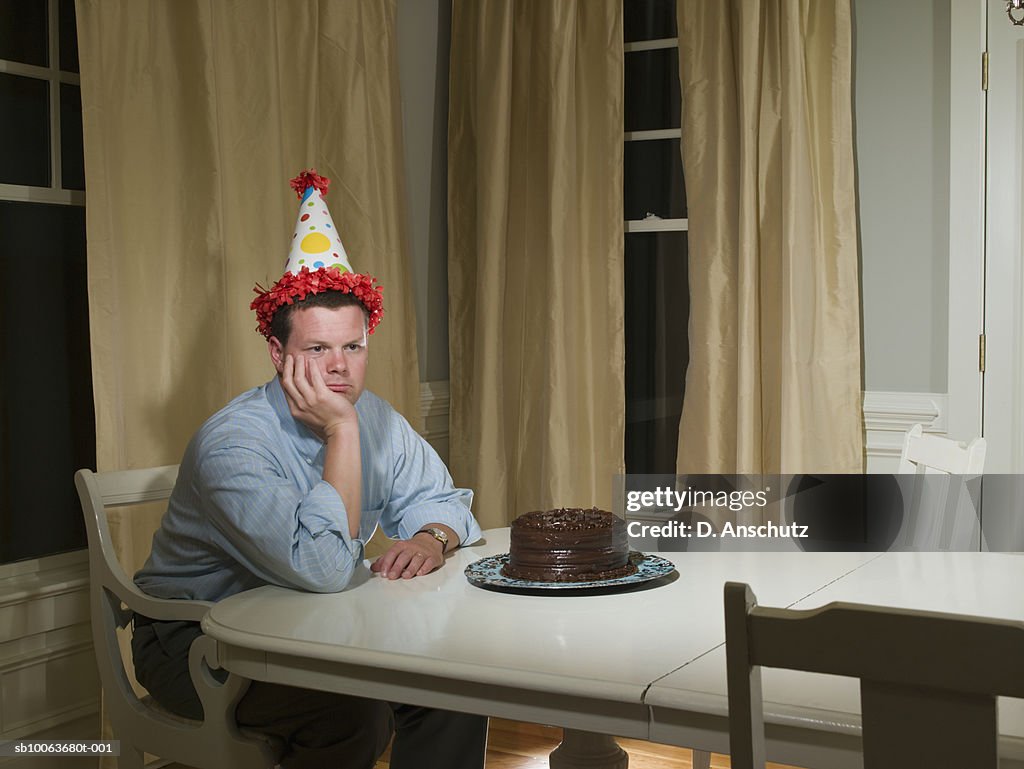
(344, 471)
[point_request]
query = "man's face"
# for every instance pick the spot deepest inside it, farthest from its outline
(333, 340)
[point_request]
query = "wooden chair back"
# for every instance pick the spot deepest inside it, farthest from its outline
(943, 511)
(140, 724)
(929, 681)
(933, 454)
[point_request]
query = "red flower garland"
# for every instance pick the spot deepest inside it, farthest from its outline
(293, 288)
(308, 179)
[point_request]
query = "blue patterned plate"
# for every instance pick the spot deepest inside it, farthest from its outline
(487, 573)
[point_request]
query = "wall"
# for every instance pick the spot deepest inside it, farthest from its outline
(902, 130)
(902, 145)
(424, 30)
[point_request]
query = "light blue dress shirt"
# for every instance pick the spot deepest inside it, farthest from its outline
(251, 507)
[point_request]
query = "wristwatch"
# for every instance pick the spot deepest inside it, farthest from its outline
(437, 534)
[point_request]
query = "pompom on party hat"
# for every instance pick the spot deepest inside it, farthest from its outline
(317, 261)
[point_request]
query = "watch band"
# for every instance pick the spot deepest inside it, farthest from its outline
(437, 534)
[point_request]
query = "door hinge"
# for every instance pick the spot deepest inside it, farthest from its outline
(984, 70)
(981, 352)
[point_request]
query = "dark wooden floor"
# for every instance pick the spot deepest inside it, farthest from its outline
(513, 745)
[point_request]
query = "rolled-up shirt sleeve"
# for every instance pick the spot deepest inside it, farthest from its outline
(266, 522)
(423, 491)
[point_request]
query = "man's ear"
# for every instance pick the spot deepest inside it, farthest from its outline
(276, 350)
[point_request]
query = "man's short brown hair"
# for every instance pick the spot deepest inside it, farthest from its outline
(281, 325)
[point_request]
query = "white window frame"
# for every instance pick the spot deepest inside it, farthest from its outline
(54, 76)
(654, 223)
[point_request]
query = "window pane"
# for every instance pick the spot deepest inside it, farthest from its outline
(24, 131)
(47, 429)
(652, 89)
(648, 19)
(68, 34)
(72, 159)
(23, 34)
(654, 179)
(657, 348)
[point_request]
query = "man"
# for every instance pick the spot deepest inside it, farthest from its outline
(284, 486)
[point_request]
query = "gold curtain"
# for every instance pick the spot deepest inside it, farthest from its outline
(535, 225)
(196, 114)
(774, 382)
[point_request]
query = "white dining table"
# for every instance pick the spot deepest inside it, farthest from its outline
(646, 663)
(580, 661)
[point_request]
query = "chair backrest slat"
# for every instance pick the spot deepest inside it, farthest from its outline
(935, 454)
(130, 487)
(896, 645)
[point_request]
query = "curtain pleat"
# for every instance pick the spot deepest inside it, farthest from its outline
(535, 227)
(196, 114)
(774, 381)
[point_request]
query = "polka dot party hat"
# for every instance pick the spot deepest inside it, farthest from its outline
(317, 261)
(316, 242)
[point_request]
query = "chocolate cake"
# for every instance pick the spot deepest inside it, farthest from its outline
(568, 545)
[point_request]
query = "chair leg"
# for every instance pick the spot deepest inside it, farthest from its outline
(701, 759)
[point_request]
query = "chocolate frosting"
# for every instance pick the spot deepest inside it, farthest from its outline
(568, 545)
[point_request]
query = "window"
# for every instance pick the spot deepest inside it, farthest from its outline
(47, 425)
(656, 287)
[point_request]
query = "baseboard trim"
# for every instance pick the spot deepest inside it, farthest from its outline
(45, 645)
(434, 406)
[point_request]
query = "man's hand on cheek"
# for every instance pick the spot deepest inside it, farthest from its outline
(311, 401)
(409, 558)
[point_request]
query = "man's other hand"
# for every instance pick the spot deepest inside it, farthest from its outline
(409, 558)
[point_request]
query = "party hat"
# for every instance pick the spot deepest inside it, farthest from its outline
(317, 260)
(316, 242)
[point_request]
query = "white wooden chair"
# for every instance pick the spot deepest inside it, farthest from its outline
(941, 514)
(929, 681)
(139, 723)
(931, 454)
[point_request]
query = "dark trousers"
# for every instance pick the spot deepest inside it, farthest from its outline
(319, 730)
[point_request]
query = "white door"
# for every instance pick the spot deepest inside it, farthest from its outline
(1004, 259)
